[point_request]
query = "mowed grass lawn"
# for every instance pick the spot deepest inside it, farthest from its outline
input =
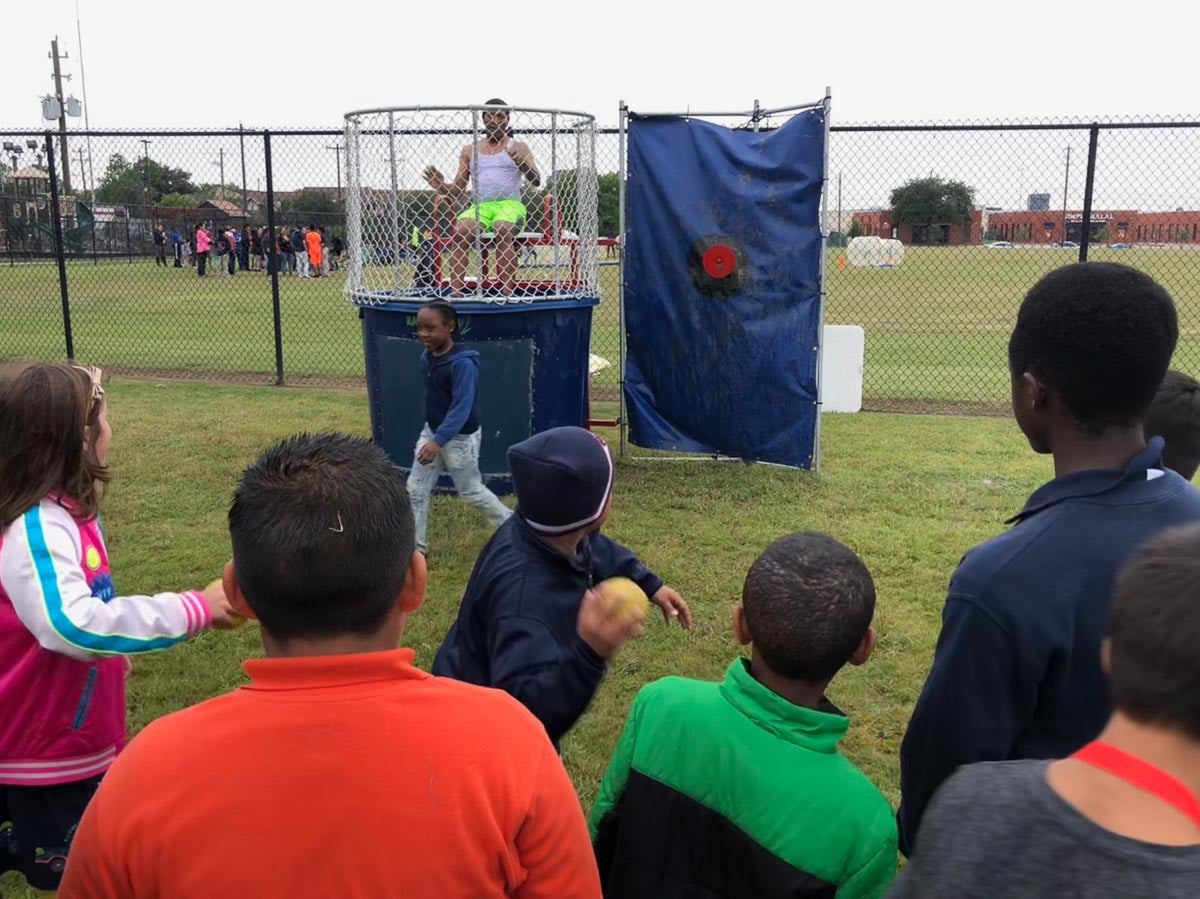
(936, 325)
(909, 493)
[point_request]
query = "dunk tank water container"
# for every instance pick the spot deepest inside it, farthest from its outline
(419, 229)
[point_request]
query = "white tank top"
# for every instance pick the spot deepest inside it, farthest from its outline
(496, 176)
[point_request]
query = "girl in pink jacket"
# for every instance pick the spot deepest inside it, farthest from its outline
(64, 631)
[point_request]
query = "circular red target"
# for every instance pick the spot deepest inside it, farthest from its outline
(719, 261)
(717, 265)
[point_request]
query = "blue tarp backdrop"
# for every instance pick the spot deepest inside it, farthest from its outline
(722, 287)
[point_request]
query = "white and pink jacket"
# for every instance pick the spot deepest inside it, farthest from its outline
(63, 635)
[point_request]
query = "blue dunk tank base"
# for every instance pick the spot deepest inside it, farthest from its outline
(533, 374)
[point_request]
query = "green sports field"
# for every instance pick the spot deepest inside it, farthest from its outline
(936, 325)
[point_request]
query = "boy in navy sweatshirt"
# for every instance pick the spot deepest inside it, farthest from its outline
(451, 437)
(1016, 673)
(530, 623)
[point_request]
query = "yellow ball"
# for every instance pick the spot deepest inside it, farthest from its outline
(624, 595)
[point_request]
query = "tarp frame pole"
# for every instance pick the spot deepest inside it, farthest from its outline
(825, 104)
(748, 114)
(621, 174)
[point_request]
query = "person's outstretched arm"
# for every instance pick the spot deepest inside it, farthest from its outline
(611, 559)
(39, 570)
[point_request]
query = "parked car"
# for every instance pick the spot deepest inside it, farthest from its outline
(1120, 246)
(999, 245)
(1067, 245)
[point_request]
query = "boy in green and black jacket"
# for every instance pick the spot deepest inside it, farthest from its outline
(738, 789)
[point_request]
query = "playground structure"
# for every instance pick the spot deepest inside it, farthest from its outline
(402, 231)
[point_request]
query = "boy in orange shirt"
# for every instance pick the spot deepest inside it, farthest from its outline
(341, 769)
(313, 240)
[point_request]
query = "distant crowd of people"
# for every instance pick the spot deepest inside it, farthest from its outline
(303, 251)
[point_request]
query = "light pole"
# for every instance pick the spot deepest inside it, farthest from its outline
(337, 149)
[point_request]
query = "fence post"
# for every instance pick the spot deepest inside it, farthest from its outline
(1085, 230)
(59, 249)
(274, 260)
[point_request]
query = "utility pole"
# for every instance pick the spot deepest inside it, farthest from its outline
(337, 149)
(62, 117)
(87, 125)
(146, 166)
(245, 201)
(82, 170)
(1066, 184)
(221, 163)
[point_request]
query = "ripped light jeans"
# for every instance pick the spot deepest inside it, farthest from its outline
(459, 458)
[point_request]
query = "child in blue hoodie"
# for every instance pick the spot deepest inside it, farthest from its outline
(451, 437)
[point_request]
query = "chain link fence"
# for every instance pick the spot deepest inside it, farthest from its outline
(980, 212)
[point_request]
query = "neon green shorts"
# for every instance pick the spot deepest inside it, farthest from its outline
(492, 211)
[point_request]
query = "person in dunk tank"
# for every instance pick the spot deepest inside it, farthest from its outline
(500, 166)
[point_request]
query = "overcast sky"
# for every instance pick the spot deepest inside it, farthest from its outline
(297, 62)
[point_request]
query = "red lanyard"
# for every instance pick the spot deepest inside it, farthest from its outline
(1141, 774)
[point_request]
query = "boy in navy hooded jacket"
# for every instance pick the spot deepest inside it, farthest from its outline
(530, 623)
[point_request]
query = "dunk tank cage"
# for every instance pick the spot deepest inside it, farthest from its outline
(419, 229)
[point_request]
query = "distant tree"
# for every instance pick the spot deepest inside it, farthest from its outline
(179, 201)
(310, 202)
(1183, 235)
(932, 201)
(1102, 235)
(856, 229)
(141, 181)
(609, 203)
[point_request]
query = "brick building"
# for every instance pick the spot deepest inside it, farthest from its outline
(1107, 226)
(878, 223)
(1043, 227)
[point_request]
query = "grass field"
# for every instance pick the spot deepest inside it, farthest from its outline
(936, 326)
(909, 512)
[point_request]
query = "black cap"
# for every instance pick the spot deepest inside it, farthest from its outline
(563, 477)
(495, 102)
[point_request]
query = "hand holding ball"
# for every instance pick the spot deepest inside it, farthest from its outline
(624, 597)
(612, 612)
(223, 615)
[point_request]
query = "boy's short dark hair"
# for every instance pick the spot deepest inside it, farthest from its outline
(808, 601)
(1155, 670)
(1101, 335)
(1175, 416)
(322, 534)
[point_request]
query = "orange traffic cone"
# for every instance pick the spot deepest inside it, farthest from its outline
(841, 262)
